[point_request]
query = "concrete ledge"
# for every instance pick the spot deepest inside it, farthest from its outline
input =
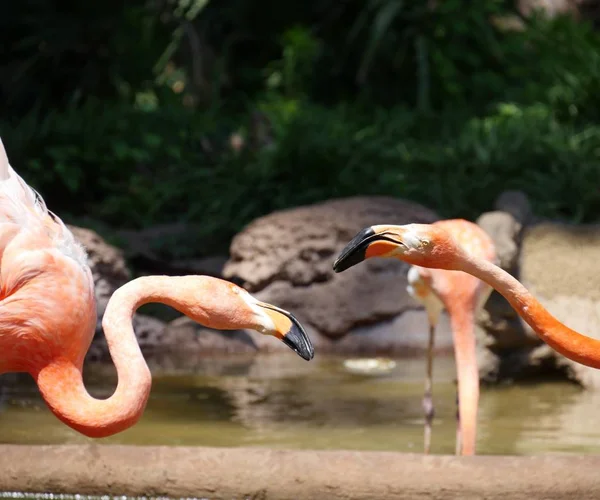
(256, 473)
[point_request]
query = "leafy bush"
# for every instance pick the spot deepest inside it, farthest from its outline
(220, 112)
(457, 168)
(134, 168)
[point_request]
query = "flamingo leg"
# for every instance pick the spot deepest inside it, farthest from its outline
(427, 397)
(468, 379)
(458, 442)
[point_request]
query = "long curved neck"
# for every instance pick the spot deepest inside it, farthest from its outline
(61, 382)
(568, 342)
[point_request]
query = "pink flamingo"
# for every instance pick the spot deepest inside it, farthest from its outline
(460, 294)
(48, 313)
(432, 246)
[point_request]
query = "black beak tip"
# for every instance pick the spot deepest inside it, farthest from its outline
(340, 265)
(297, 340)
(354, 252)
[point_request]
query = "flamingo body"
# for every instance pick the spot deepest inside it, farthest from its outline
(48, 313)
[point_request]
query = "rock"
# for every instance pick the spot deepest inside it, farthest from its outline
(516, 204)
(558, 265)
(503, 326)
(403, 335)
(505, 230)
(286, 258)
(110, 271)
(108, 266)
(503, 345)
(185, 334)
(556, 262)
(150, 332)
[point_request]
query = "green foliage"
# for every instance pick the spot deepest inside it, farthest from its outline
(458, 169)
(54, 53)
(292, 74)
(219, 112)
(132, 168)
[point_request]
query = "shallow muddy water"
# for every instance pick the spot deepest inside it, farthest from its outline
(284, 402)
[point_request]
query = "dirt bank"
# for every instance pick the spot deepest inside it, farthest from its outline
(251, 473)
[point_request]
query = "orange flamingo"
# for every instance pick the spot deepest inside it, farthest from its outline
(48, 313)
(460, 294)
(433, 246)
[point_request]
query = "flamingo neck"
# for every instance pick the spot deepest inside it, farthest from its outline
(568, 342)
(61, 382)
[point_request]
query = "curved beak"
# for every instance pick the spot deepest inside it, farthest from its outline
(289, 330)
(372, 241)
(355, 251)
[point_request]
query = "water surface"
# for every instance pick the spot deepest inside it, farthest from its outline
(284, 402)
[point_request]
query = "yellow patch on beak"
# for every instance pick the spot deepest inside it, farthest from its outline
(281, 322)
(380, 248)
(288, 329)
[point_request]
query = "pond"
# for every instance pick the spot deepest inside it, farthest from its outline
(282, 401)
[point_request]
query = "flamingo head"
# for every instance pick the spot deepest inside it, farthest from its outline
(223, 305)
(422, 245)
(283, 325)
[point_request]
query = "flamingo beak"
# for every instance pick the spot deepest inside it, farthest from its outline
(355, 251)
(372, 241)
(289, 330)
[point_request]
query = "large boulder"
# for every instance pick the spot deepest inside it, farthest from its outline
(160, 342)
(556, 263)
(108, 266)
(110, 271)
(286, 258)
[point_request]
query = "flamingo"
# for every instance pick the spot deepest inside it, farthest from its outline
(48, 314)
(433, 246)
(460, 294)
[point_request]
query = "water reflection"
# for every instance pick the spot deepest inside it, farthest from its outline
(281, 401)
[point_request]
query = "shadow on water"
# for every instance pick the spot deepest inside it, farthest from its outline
(281, 401)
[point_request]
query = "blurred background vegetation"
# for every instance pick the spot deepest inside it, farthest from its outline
(216, 112)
